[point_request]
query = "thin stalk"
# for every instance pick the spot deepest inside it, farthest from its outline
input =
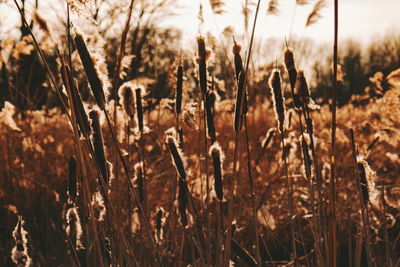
(131, 188)
(236, 149)
(252, 196)
(289, 186)
(332, 190)
(364, 211)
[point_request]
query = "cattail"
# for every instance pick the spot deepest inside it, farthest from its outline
(363, 182)
(91, 72)
(292, 72)
(239, 102)
(139, 108)
(217, 157)
(77, 104)
(177, 156)
(202, 64)
(178, 103)
(42, 23)
(290, 67)
(238, 69)
(72, 174)
(182, 202)
(19, 253)
(98, 145)
(139, 180)
(275, 85)
(98, 206)
(125, 93)
(237, 59)
(306, 157)
(210, 115)
(74, 227)
(301, 88)
(81, 114)
(160, 221)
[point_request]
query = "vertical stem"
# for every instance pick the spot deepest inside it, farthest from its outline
(332, 191)
(289, 186)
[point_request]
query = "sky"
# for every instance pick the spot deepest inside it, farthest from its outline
(362, 20)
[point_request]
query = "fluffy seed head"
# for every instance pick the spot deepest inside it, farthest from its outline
(210, 116)
(95, 83)
(177, 155)
(98, 145)
(276, 90)
(217, 157)
(301, 88)
(237, 59)
(74, 227)
(139, 180)
(125, 94)
(19, 253)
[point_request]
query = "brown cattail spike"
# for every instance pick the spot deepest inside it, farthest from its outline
(178, 103)
(237, 59)
(202, 64)
(98, 145)
(275, 85)
(239, 103)
(139, 108)
(176, 156)
(182, 201)
(42, 23)
(77, 104)
(126, 96)
(301, 88)
(139, 181)
(363, 182)
(91, 73)
(217, 157)
(292, 72)
(210, 116)
(72, 174)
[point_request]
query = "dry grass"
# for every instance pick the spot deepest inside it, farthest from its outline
(210, 180)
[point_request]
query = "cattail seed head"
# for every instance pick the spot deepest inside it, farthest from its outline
(363, 182)
(98, 206)
(139, 180)
(237, 59)
(306, 158)
(292, 72)
(98, 145)
(210, 116)
(139, 108)
(42, 23)
(160, 222)
(19, 253)
(217, 157)
(177, 155)
(202, 55)
(125, 94)
(182, 202)
(178, 103)
(239, 103)
(74, 227)
(301, 88)
(275, 85)
(95, 83)
(72, 174)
